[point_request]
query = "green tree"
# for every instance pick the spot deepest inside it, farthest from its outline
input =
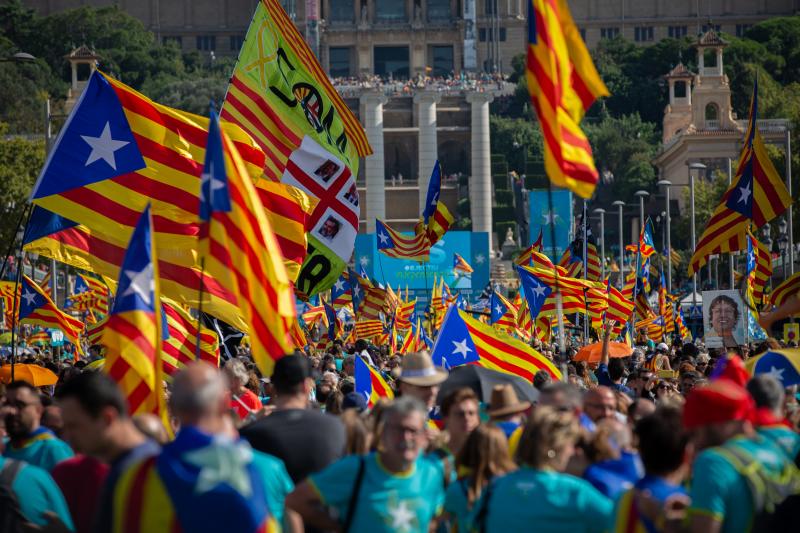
(20, 161)
(524, 133)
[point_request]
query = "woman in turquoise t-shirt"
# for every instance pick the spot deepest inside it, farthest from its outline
(483, 457)
(538, 494)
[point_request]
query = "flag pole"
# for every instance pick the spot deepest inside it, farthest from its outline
(562, 348)
(585, 268)
(200, 305)
(15, 311)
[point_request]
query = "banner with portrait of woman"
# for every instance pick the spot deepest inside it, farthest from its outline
(723, 319)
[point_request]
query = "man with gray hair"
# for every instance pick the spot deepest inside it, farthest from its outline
(396, 489)
(213, 479)
(769, 395)
(243, 401)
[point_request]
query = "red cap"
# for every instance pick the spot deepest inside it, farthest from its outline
(720, 401)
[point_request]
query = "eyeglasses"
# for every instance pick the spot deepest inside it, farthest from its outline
(18, 404)
(403, 430)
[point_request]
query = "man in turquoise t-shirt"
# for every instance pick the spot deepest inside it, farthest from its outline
(769, 395)
(29, 441)
(718, 416)
(394, 490)
(38, 494)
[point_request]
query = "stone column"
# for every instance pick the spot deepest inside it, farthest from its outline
(480, 182)
(373, 165)
(428, 144)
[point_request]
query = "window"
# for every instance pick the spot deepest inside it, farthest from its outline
(490, 7)
(439, 10)
(643, 33)
(390, 10)
(677, 32)
(236, 42)
(741, 29)
(339, 62)
(206, 42)
(715, 27)
(342, 10)
(680, 89)
(177, 40)
(391, 61)
(488, 33)
(712, 111)
(442, 60)
(482, 35)
(289, 7)
(608, 33)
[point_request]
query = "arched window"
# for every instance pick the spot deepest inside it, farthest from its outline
(712, 111)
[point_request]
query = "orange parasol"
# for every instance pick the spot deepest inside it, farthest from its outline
(36, 375)
(591, 353)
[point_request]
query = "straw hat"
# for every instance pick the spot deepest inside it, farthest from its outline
(418, 369)
(504, 401)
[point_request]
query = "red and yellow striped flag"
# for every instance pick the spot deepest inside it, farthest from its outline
(563, 83)
(788, 289)
(756, 194)
(36, 308)
(241, 252)
(180, 348)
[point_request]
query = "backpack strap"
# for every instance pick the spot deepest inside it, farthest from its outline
(351, 505)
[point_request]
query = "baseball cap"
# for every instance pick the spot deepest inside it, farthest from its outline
(354, 400)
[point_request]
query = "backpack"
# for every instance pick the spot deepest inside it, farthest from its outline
(776, 496)
(11, 517)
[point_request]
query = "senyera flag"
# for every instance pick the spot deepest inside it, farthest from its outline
(281, 96)
(370, 384)
(36, 307)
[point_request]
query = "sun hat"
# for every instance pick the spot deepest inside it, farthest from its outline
(504, 401)
(418, 369)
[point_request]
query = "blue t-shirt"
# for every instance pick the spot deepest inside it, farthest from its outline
(277, 482)
(542, 500)
(604, 378)
(720, 491)
(37, 493)
(42, 448)
(387, 502)
(615, 476)
(631, 520)
(457, 505)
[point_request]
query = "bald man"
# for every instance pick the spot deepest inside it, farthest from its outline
(213, 479)
(599, 403)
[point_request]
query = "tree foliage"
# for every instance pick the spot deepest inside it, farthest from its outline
(20, 161)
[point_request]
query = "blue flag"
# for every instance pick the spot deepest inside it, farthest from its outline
(535, 291)
(434, 188)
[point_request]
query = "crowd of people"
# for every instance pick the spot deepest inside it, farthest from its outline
(397, 87)
(671, 438)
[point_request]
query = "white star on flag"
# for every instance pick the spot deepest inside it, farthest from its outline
(539, 290)
(29, 297)
(223, 461)
(141, 283)
(499, 309)
(745, 193)
(383, 237)
(461, 348)
(214, 185)
(339, 285)
(776, 373)
(103, 147)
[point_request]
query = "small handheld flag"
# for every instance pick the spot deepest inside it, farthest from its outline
(460, 265)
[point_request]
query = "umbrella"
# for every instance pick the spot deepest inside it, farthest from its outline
(36, 375)
(591, 352)
(482, 381)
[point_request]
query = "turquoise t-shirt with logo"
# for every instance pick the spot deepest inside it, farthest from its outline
(42, 448)
(387, 502)
(543, 501)
(720, 491)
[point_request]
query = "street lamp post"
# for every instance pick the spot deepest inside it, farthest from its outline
(783, 245)
(699, 167)
(641, 195)
(667, 184)
(789, 215)
(620, 204)
(602, 212)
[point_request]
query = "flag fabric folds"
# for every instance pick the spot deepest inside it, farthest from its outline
(281, 96)
(133, 334)
(563, 84)
(788, 289)
(463, 340)
(436, 218)
(759, 268)
(783, 365)
(370, 384)
(536, 291)
(460, 265)
(756, 195)
(180, 343)
(35, 307)
(240, 250)
(394, 244)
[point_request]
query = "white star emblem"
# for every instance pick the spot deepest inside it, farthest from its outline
(223, 461)
(356, 291)
(383, 237)
(745, 194)
(498, 309)
(401, 516)
(550, 218)
(434, 199)
(141, 283)
(103, 147)
(776, 373)
(480, 259)
(539, 290)
(214, 185)
(339, 285)
(461, 348)
(29, 297)
(364, 260)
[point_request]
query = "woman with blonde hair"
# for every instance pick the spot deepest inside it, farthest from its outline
(539, 492)
(483, 457)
